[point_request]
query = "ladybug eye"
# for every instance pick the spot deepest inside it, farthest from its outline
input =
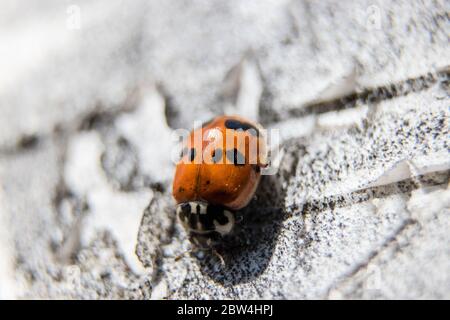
(216, 155)
(242, 126)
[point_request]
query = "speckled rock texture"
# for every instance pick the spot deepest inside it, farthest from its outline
(91, 94)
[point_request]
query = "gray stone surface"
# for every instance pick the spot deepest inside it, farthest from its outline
(359, 206)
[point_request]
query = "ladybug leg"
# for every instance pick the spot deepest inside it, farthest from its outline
(222, 261)
(181, 255)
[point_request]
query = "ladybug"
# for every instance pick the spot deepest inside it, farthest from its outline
(217, 174)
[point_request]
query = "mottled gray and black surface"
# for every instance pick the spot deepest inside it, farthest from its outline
(359, 206)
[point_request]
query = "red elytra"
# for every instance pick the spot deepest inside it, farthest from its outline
(220, 169)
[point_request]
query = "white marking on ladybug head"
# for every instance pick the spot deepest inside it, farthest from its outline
(198, 207)
(203, 208)
(193, 206)
(226, 228)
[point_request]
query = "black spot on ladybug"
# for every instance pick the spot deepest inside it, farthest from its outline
(181, 189)
(239, 125)
(183, 152)
(192, 154)
(235, 157)
(208, 182)
(217, 155)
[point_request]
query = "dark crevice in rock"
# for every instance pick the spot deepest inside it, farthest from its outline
(120, 163)
(101, 117)
(374, 254)
(157, 228)
(231, 84)
(267, 115)
(401, 187)
(368, 96)
(170, 108)
(374, 95)
(28, 142)
(70, 211)
(25, 143)
(96, 119)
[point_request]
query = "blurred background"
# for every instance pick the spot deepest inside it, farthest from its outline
(90, 93)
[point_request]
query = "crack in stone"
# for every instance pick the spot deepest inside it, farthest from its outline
(96, 119)
(374, 95)
(416, 183)
(382, 191)
(374, 254)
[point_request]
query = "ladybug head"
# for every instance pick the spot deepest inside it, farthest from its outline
(206, 223)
